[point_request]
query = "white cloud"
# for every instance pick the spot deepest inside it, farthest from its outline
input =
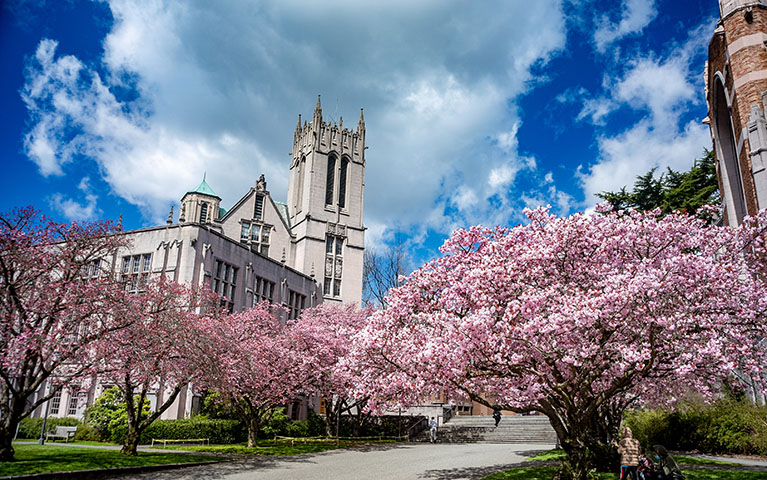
(220, 85)
(74, 210)
(635, 16)
(661, 89)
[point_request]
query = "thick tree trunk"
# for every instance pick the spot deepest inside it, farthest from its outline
(253, 426)
(6, 442)
(130, 445)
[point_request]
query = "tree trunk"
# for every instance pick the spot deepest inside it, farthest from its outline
(6, 441)
(130, 445)
(253, 426)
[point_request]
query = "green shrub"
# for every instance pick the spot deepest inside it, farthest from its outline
(218, 431)
(725, 426)
(316, 424)
(109, 416)
(86, 433)
(31, 427)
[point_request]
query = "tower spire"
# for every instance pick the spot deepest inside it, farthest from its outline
(317, 114)
(361, 123)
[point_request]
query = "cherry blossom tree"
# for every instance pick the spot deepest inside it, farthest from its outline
(159, 353)
(323, 336)
(575, 318)
(250, 362)
(57, 296)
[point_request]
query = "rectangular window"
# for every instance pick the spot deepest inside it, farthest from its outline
(72, 410)
(258, 211)
(296, 303)
(224, 283)
(55, 403)
(257, 235)
(334, 249)
(263, 290)
(136, 270)
(204, 212)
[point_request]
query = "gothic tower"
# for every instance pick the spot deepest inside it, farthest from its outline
(325, 204)
(736, 92)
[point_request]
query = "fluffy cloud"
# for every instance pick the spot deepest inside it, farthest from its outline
(187, 87)
(636, 15)
(74, 210)
(660, 90)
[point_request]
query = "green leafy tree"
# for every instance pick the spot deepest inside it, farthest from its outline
(109, 415)
(672, 190)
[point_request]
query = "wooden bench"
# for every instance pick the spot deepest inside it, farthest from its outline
(165, 442)
(65, 433)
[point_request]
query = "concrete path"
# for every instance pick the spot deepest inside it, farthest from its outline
(740, 461)
(397, 462)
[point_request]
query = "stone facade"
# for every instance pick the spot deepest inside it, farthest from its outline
(736, 92)
(296, 255)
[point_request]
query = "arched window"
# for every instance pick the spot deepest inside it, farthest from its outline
(204, 212)
(330, 180)
(725, 139)
(342, 183)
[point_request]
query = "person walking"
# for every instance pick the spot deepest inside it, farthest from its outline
(497, 416)
(629, 450)
(433, 430)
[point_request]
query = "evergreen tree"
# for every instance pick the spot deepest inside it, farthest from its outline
(672, 190)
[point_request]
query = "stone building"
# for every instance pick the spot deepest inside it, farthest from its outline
(296, 254)
(736, 92)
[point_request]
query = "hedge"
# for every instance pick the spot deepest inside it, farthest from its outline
(31, 427)
(725, 426)
(218, 431)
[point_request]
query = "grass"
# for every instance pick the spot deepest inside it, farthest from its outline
(49, 458)
(270, 447)
(546, 473)
(559, 455)
(77, 442)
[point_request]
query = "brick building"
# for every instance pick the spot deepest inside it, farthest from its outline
(736, 92)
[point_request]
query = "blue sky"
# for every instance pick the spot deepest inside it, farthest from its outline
(474, 110)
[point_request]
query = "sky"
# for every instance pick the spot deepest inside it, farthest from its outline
(474, 111)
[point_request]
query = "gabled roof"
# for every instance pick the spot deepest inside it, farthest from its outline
(282, 209)
(204, 189)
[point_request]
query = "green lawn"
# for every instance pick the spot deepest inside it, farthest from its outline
(270, 447)
(50, 458)
(545, 473)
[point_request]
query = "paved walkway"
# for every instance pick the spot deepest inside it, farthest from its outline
(397, 462)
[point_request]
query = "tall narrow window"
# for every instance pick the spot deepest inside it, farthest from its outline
(334, 247)
(55, 403)
(300, 183)
(258, 211)
(204, 212)
(224, 283)
(330, 180)
(342, 183)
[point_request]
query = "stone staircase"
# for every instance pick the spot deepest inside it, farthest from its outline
(512, 429)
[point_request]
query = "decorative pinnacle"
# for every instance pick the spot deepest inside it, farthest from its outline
(298, 127)
(169, 221)
(282, 260)
(318, 108)
(362, 117)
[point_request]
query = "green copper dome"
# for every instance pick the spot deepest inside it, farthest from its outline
(204, 189)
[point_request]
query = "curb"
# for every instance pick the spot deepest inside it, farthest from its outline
(108, 472)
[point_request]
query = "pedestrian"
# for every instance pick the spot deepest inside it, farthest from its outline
(629, 449)
(497, 415)
(668, 469)
(646, 468)
(433, 430)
